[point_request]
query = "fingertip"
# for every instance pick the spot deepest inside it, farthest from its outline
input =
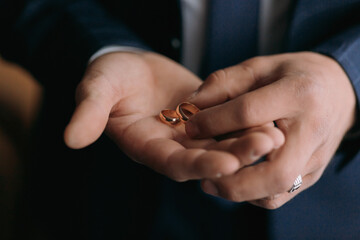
(215, 164)
(193, 96)
(209, 188)
(276, 135)
(68, 139)
(279, 139)
(252, 147)
(266, 146)
(78, 135)
(86, 125)
(262, 146)
(71, 139)
(191, 129)
(208, 95)
(229, 165)
(200, 100)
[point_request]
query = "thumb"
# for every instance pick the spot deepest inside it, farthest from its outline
(91, 114)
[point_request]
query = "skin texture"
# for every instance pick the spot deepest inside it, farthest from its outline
(307, 95)
(123, 93)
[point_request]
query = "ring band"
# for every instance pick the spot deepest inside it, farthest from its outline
(185, 110)
(169, 117)
(296, 185)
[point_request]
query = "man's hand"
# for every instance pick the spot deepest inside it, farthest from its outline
(307, 95)
(124, 93)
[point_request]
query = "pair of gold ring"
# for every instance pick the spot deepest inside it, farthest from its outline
(182, 114)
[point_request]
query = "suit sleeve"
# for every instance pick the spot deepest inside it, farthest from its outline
(47, 36)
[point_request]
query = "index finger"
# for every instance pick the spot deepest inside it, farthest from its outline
(230, 82)
(267, 104)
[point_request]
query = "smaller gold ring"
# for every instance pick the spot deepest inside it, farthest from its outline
(170, 117)
(185, 110)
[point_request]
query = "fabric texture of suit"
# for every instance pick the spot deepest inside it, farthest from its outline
(59, 37)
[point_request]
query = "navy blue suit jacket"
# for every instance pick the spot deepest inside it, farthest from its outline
(60, 36)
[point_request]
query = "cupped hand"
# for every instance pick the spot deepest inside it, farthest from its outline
(307, 95)
(124, 93)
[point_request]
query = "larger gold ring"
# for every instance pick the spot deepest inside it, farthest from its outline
(185, 110)
(169, 117)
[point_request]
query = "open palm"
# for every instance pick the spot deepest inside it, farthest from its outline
(124, 93)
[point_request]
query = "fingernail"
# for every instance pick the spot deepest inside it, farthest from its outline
(218, 175)
(210, 188)
(193, 95)
(191, 129)
(254, 156)
(277, 145)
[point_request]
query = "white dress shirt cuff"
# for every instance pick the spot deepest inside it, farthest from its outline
(114, 48)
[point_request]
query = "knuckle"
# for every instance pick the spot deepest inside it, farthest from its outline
(217, 77)
(283, 181)
(255, 61)
(248, 69)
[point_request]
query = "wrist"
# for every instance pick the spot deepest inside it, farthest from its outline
(112, 49)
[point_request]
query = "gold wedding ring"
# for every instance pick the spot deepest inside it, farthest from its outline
(182, 114)
(169, 117)
(185, 110)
